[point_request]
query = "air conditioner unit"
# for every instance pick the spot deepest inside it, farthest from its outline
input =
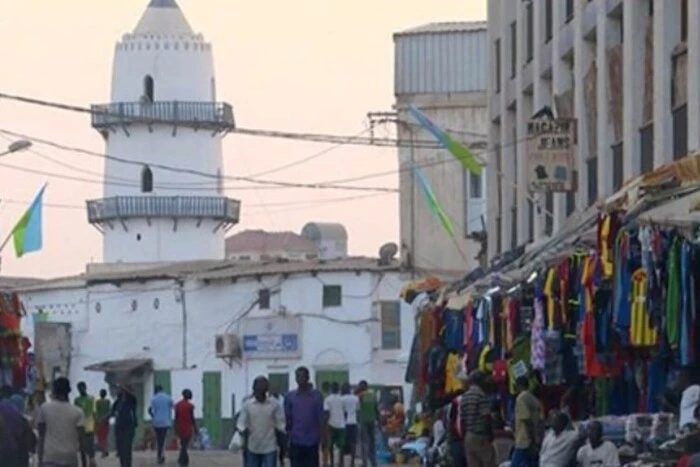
(227, 346)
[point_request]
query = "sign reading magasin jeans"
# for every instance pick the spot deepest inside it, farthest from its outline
(550, 154)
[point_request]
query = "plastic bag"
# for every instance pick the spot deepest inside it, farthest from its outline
(236, 443)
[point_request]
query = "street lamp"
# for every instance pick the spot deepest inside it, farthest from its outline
(17, 146)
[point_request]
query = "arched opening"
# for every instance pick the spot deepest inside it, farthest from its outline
(146, 179)
(148, 88)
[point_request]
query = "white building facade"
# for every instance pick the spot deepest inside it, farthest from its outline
(442, 70)
(214, 329)
(626, 70)
(163, 129)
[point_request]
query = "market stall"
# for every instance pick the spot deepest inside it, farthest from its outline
(14, 347)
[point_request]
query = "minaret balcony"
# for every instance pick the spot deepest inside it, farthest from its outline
(107, 211)
(214, 116)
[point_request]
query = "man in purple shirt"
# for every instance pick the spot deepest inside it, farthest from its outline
(16, 436)
(303, 408)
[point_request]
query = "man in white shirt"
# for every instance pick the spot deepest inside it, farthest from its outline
(334, 406)
(351, 404)
(260, 420)
(689, 403)
(597, 452)
(560, 443)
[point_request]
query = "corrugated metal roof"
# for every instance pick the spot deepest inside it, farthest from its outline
(447, 26)
(215, 270)
(441, 58)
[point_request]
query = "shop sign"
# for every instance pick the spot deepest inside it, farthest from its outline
(272, 338)
(550, 154)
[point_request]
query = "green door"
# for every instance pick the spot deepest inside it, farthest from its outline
(331, 376)
(142, 403)
(211, 408)
(163, 379)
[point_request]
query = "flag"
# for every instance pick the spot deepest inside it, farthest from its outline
(432, 202)
(457, 149)
(26, 235)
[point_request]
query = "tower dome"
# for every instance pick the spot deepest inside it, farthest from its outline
(163, 123)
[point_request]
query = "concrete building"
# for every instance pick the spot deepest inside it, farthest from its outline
(163, 114)
(442, 69)
(213, 326)
(259, 245)
(626, 70)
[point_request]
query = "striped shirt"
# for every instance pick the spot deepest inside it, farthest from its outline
(475, 412)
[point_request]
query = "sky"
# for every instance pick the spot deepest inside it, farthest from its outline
(313, 66)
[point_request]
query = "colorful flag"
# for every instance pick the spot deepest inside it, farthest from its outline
(457, 149)
(432, 202)
(26, 235)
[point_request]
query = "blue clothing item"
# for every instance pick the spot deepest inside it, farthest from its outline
(656, 384)
(523, 458)
(124, 411)
(261, 460)
(305, 417)
(161, 410)
(454, 329)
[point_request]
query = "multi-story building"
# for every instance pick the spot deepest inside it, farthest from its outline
(442, 70)
(627, 71)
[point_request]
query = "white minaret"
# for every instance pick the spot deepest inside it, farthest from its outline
(164, 112)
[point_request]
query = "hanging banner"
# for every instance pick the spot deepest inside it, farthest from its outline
(550, 154)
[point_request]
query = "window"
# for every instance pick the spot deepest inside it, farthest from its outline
(571, 195)
(499, 242)
(530, 219)
(618, 166)
(476, 189)
(549, 213)
(264, 299)
(146, 179)
(390, 317)
(148, 89)
(332, 296)
(278, 383)
(680, 132)
(497, 64)
(646, 136)
(514, 228)
(548, 20)
(529, 41)
(513, 49)
(569, 10)
(592, 169)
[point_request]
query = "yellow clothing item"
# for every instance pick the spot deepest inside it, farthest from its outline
(452, 384)
(605, 255)
(484, 365)
(549, 297)
(527, 410)
(642, 333)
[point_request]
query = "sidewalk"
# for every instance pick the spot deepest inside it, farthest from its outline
(197, 459)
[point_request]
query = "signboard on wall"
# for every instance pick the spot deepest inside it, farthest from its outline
(274, 337)
(550, 154)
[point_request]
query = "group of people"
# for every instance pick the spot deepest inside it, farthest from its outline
(306, 427)
(551, 442)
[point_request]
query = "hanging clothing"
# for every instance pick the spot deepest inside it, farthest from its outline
(550, 298)
(537, 340)
(673, 295)
(642, 332)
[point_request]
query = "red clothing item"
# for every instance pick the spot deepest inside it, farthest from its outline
(184, 419)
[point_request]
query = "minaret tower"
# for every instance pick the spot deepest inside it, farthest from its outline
(163, 112)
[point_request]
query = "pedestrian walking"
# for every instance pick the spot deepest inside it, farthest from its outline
(304, 417)
(334, 409)
(351, 404)
(260, 422)
(185, 425)
(62, 437)
(160, 410)
(475, 413)
(125, 422)
(368, 417)
(17, 439)
(102, 414)
(86, 403)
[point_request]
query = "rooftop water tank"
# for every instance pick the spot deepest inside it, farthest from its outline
(331, 239)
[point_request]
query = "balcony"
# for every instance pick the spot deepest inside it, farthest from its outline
(120, 208)
(217, 117)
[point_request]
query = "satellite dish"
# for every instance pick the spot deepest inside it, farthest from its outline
(387, 252)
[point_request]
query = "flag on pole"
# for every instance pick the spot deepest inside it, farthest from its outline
(26, 235)
(457, 149)
(432, 202)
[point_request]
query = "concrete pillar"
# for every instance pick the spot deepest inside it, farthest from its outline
(507, 128)
(667, 18)
(561, 82)
(635, 28)
(693, 75)
(541, 96)
(584, 53)
(494, 135)
(522, 219)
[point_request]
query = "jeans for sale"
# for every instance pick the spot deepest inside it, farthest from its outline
(261, 460)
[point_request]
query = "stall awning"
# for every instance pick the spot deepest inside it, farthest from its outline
(129, 365)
